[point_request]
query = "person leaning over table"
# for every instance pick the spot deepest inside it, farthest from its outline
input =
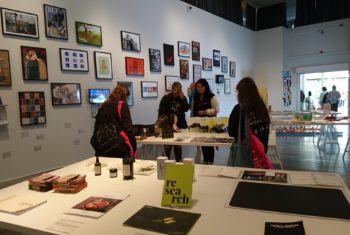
(249, 101)
(205, 104)
(174, 103)
(108, 112)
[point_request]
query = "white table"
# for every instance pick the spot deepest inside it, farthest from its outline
(210, 194)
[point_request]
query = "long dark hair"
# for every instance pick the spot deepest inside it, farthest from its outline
(250, 99)
(208, 94)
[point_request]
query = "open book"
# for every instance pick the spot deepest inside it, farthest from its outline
(18, 204)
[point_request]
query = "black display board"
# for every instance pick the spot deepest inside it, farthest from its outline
(320, 202)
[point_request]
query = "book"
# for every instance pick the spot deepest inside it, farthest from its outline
(71, 183)
(293, 228)
(43, 182)
(162, 220)
(19, 204)
(275, 177)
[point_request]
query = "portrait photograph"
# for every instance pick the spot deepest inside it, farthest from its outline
(65, 93)
(103, 65)
(5, 68)
(88, 33)
(34, 63)
(207, 64)
(184, 69)
(55, 22)
(131, 41)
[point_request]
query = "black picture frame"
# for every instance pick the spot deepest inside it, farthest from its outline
(60, 29)
(129, 85)
(34, 64)
(130, 41)
(134, 66)
(184, 49)
(91, 35)
(224, 64)
(197, 72)
(149, 89)
(196, 51)
(232, 69)
(103, 69)
(66, 93)
(5, 68)
(184, 69)
(168, 51)
(216, 58)
(74, 60)
(32, 108)
(155, 62)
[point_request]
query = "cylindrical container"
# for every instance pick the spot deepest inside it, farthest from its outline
(97, 167)
(161, 167)
(113, 172)
(128, 168)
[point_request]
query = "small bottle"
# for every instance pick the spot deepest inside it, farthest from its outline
(113, 172)
(128, 168)
(97, 166)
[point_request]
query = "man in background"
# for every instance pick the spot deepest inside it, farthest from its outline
(333, 98)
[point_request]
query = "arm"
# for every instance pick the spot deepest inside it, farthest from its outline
(184, 105)
(233, 122)
(126, 123)
(215, 108)
(163, 106)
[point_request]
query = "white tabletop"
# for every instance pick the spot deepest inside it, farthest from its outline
(210, 194)
(313, 122)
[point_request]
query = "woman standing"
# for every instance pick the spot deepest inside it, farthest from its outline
(205, 104)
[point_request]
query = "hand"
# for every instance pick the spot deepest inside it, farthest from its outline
(181, 95)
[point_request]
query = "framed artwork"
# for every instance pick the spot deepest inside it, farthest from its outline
(88, 33)
(131, 90)
(211, 83)
(183, 49)
(5, 68)
(169, 80)
(197, 72)
(196, 51)
(224, 64)
(131, 41)
(207, 64)
(134, 66)
(103, 65)
(74, 60)
(65, 93)
(232, 69)
(184, 69)
(216, 58)
(34, 63)
(149, 89)
(227, 86)
(32, 107)
(155, 60)
(56, 22)
(168, 51)
(18, 23)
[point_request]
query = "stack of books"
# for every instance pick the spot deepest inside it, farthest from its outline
(42, 183)
(71, 183)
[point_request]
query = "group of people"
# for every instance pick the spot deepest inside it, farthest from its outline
(202, 103)
(330, 97)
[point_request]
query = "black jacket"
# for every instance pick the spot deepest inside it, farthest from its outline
(171, 105)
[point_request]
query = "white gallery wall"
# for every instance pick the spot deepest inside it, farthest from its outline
(65, 137)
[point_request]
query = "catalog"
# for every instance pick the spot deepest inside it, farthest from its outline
(18, 204)
(319, 179)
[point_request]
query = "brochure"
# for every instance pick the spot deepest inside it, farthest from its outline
(277, 177)
(19, 204)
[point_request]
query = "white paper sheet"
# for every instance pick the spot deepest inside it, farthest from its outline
(18, 204)
(230, 172)
(65, 226)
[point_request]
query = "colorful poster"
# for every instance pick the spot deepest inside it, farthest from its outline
(287, 92)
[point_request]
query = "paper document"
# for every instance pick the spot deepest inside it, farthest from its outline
(316, 179)
(210, 171)
(230, 172)
(64, 226)
(18, 204)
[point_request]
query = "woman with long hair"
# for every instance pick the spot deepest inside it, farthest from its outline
(250, 103)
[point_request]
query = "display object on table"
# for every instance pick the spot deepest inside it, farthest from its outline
(19, 204)
(292, 228)
(208, 124)
(71, 183)
(275, 177)
(113, 172)
(128, 168)
(42, 183)
(97, 167)
(161, 167)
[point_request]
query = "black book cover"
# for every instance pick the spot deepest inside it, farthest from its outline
(162, 220)
(294, 228)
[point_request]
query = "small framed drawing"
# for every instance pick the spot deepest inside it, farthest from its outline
(149, 89)
(131, 90)
(32, 107)
(65, 93)
(227, 86)
(89, 34)
(184, 69)
(224, 64)
(197, 72)
(5, 68)
(131, 41)
(210, 83)
(183, 49)
(103, 65)
(18, 23)
(168, 51)
(207, 64)
(74, 60)
(196, 51)
(169, 80)
(155, 60)
(55, 22)
(216, 58)
(34, 63)
(232, 69)
(134, 66)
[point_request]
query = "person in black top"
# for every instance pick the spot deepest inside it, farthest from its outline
(174, 103)
(108, 112)
(251, 103)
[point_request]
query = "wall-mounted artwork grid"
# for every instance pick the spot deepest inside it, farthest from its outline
(74, 60)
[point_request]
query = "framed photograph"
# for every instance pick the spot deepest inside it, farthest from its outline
(207, 64)
(197, 72)
(34, 63)
(88, 34)
(232, 69)
(65, 93)
(155, 60)
(169, 80)
(211, 83)
(196, 51)
(32, 107)
(224, 64)
(18, 23)
(168, 51)
(183, 49)
(131, 90)
(134, 66)
(103, 65)
(184, 69)
(216, 58)
(74, 60)
(5, 68)
(149, 89)
(227, 86)
(55, 22)
(131, 41)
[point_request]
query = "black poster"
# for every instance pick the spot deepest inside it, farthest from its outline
(168, 54)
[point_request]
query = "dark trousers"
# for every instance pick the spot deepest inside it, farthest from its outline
(208, 154)
(334, 107)
(177, 151)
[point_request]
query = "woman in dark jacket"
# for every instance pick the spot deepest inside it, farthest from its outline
(108, 113)
(250, 102)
